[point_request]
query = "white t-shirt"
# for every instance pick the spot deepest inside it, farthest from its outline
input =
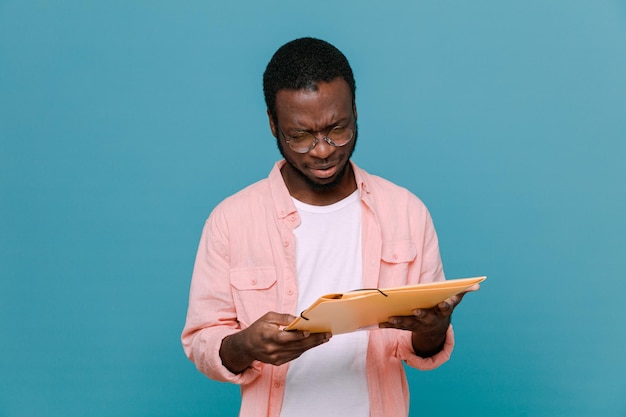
(329, 380)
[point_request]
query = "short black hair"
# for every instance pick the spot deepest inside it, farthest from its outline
(302, 64)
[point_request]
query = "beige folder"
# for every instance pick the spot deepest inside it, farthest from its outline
(354, 310)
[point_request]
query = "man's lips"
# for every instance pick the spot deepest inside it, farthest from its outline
(324, 171)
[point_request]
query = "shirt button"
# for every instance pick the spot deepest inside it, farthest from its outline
(285, 243)
(292, 218)
(254, 282)
(290, 292)
(277, 384)
(395, 256)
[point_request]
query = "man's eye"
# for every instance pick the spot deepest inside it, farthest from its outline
(300, 136)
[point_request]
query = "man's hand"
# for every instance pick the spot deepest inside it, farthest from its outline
(265, 341)
(429, 325)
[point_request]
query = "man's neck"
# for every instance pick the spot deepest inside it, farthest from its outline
(302, 190)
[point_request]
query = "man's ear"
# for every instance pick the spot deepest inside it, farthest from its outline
(272, 124)
(356, 114)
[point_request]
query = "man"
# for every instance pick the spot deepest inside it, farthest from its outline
(318, 224)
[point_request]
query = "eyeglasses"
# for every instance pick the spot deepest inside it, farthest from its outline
(304, 142)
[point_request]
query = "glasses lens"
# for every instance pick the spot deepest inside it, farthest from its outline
(340, 135)
(302, 142)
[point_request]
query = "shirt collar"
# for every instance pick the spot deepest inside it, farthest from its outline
(282, 200)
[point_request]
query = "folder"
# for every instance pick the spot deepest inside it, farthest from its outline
(355, 310)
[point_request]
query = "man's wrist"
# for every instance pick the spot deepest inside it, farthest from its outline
(233, 354)
(426, 347)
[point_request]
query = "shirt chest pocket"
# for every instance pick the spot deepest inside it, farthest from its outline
(396, 258)
(254, 292)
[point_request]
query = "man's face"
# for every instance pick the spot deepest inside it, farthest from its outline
(323, 168)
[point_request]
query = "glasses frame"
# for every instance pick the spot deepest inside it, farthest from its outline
(316, 139)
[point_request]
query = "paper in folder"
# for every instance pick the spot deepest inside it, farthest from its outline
(354, 310)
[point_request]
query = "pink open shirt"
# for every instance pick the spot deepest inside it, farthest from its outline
(246, 266)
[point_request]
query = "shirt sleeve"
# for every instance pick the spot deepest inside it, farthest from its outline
(211, 314)
(430, 269)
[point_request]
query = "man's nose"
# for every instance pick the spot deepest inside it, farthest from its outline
(322, 149)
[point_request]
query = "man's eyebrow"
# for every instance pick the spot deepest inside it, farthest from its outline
(342, 121)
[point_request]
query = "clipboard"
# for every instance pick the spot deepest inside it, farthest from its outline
(359, 309)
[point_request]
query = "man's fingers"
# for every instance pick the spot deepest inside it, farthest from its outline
(398, 322)
(292, 351)
(278, 318)
(419, 313)
(448, 305)
(292, 336)
(451, 303)
(460, 296)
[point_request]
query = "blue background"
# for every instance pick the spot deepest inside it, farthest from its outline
(123, 123)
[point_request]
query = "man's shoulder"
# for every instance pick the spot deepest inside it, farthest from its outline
(259, 192)
(382, 188)
(246, 197)
(384, 184)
